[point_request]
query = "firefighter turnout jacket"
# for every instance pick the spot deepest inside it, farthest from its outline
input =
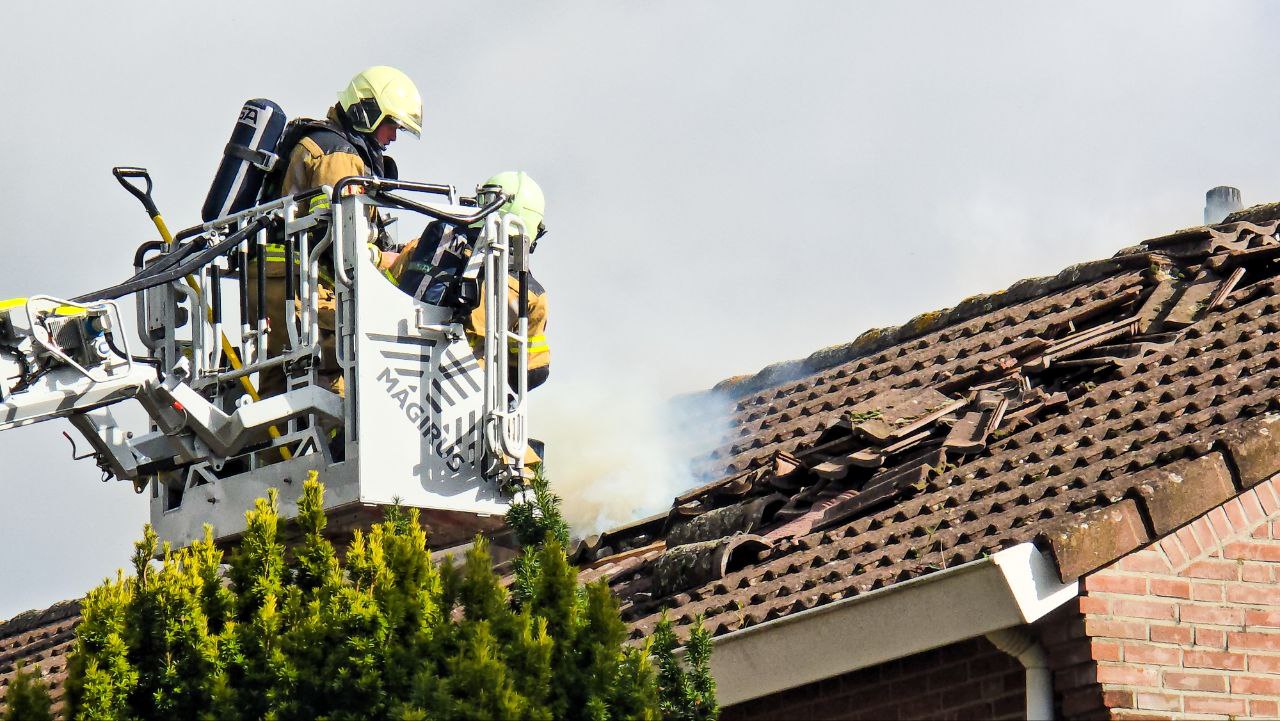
(327, 152)
(424, 271)
(321, 153)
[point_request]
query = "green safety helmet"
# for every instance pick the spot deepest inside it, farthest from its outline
(382, 92)
(526, 200)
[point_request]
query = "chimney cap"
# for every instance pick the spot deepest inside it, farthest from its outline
(1219, 202)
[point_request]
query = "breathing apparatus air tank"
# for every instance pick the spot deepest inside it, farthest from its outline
(246, 159)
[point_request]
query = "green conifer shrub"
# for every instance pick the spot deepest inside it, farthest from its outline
(686, 693)
(27, 698)
(384, 632)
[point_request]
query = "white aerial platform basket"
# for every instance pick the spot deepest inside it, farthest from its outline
(423, 425)
(427, 421)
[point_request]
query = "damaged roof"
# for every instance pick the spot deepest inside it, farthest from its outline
(1082, 412)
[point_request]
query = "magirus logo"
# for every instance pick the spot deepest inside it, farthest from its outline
(417, 414)
(425, 398)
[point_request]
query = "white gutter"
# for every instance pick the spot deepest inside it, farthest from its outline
(1010, 588)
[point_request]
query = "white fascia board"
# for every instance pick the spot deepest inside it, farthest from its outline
(1009, 588)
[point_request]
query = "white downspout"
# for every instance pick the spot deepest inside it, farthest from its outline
(1018, 643)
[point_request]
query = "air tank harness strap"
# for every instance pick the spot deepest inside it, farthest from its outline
(276, 254)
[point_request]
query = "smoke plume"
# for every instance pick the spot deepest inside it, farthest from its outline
(619, 452)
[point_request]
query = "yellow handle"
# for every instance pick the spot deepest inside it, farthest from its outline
(226, 344)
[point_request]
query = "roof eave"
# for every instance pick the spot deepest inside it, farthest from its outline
(1009, 588)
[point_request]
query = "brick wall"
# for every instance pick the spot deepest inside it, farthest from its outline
(1077, 693)
(967, 680)
(1189, 626)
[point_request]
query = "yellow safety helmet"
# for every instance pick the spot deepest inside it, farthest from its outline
(382, 92)
(526, 200)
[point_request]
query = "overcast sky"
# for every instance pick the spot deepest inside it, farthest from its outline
(729, 184)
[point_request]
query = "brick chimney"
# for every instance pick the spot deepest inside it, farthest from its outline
(1220, 202)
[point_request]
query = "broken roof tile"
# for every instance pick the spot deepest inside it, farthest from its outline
(744, 517)
(695, 564)
(1192, 300)
(969, 434)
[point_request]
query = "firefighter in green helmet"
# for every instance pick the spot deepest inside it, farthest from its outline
(371, 110)
(423, 269)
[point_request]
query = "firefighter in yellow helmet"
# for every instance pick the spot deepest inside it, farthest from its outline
(378, 103)
(428, 269)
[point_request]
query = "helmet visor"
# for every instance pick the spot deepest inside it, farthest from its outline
(411, 123)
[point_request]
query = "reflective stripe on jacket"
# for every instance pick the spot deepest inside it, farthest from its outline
(539, 350)
(276, 256)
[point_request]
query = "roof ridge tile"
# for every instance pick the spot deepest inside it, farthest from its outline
(28, 620)
(877, 340)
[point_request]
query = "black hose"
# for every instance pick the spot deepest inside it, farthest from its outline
(29, 378)
(150, 279)
(204, 227)
(462, 220)
(188, 233)
(143, 274)
(153, 362)
(139, 256)
(168, 261)
(24, 367)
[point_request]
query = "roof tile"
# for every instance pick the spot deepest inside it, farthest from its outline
(1181, 491)
(40, 639)
(1254, 448)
